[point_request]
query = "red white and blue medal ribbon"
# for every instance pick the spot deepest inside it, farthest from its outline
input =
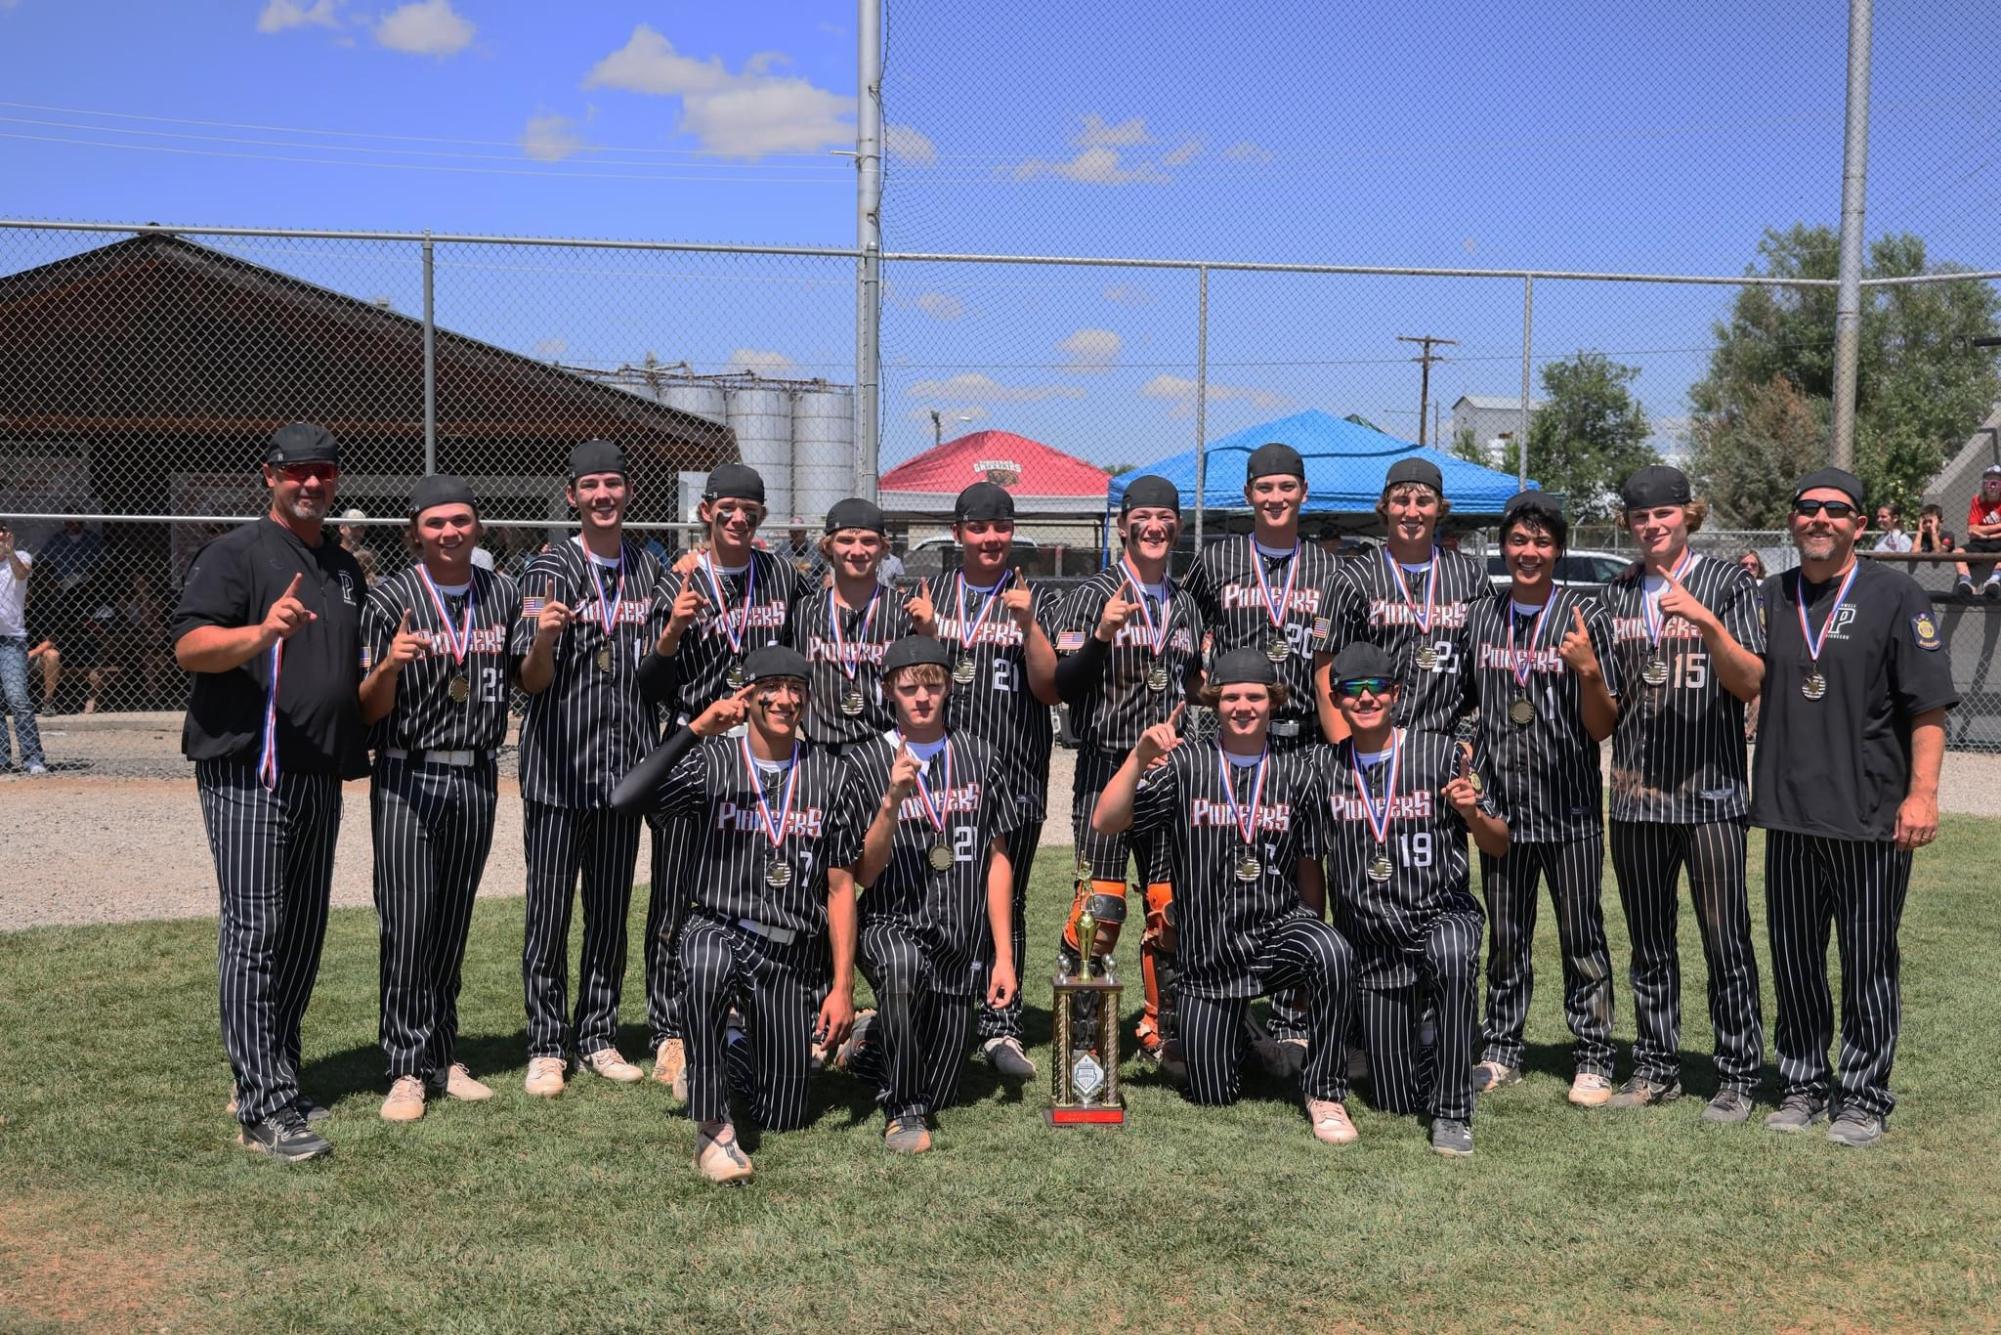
(1650, 603)
(1276, 612)
(1245, 818)
(842, 659)
(1379, 822)
(733, 631)
(267, 754)
(1521, 662)
(607, 616)
(1155, 638)
(1422, 618)
(774, 830)
(970, 635)
(934, 809)
(1815, 642)
(458, 641)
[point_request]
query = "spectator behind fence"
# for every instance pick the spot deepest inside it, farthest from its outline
(14, 567)
(1890, 519)
(1933, 535)
(1983, 536)
(69, 563)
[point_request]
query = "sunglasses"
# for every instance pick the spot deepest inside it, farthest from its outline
(1834, 509)
(302, 472)
(1377, 686)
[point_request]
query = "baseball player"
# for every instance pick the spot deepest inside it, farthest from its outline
(1687, 638)
(717, 605)
(1546, 683)
(588, 615)
(1242, 829)
(1400, 802)
(1128, 650)
(778, 823)
(1003, 686)
(269, 627)
(937, 889)
(436, 699)
(1851, 734)
(844, 628)
(1410, 598)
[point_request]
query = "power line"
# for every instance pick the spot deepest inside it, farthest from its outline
(1425, 359)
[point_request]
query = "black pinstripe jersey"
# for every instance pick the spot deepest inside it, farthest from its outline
(1371, 605)
(1220, 919)
(1544, 777)
(702, 662)
(590, 724)
(853, 664)
(996, 705)
(1234, 610)
(1123, 706)
(1426, 843)
(1678, 750)
(732, 871)
(946, 911)
(426, 714)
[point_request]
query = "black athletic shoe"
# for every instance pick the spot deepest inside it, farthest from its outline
(286, 1138)
(1729, 1107)
(314, 1113)
(1641, 1092)
(1796, 1113)
(1856, 1129)
(1451, 1137)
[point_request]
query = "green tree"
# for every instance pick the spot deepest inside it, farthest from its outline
(1588, 434)
(1469, 449)
(1921, 385)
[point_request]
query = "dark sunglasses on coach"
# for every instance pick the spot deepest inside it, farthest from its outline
(1377, 686)
(1834, 509)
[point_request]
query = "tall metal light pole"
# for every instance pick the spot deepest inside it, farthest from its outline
(1854, 197)
(868, 239)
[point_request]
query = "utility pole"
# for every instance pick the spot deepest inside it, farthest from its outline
(1854, 195)
(1425, 359)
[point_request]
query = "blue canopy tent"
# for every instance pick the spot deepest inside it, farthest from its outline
(1345, 463)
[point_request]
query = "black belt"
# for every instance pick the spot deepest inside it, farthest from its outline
(419, 755)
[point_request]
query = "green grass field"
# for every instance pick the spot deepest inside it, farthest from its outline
(124, 1201)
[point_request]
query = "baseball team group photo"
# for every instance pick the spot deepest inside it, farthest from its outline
(996, 775)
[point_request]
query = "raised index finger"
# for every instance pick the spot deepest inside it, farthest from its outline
(403, 627)
(292, 589)
(1175, 717)
(1577, 615)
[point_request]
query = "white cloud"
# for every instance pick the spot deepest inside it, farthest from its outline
(1097, 134)
(550, 349)
(425, 28)
(1183, 154)
(909, 146)
(1180, 392)
(551, 138)
(973, 387)
(940, 305)
(1091, 350)
(279, 15)
(1246, 151)
(1093, 166)
(1127, 294)
(761, 360)
(747, 114)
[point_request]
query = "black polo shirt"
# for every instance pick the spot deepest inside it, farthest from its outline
(1840, 766)
(234, 581)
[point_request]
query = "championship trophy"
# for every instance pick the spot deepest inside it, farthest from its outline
(1084, 1084)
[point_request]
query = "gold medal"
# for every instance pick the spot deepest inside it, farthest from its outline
(941, 857)
(777, 874)
(1249, 868)
(1815, 685)
(1156, 678)
(1427, 658)
(734, 676)
(604, 659)
(459, 688)
(1479, 784)
(1655, 673)
(1278, 650)
(1521, 711)
(1380, 869)
(851, 703)
(963, 671)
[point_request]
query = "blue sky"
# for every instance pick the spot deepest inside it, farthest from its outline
(1655, 138)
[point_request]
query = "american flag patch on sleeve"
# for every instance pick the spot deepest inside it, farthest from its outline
(367, 658)
(1320, 628)
(1069, 641)
(531, 607)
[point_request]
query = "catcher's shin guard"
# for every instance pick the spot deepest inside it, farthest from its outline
(1157, 968)
(1109, 919)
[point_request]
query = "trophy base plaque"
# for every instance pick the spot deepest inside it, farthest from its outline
(1084, 1085)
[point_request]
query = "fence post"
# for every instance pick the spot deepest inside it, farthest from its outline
(1854, 196)
(868, 239)
(1201, 397)
(430, 362)
(1528, 340)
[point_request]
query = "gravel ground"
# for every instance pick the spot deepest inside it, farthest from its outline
(113, 833)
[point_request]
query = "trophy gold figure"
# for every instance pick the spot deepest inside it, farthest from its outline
(1084, 1081)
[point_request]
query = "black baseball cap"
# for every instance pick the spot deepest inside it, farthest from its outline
(740, 481)
(854, 512)
(913, 651)
(983, 500)
(1242, 667)
(302, 443)
(596, 456)
(441, 489)
(1839, 479)
(774, 660)
(1359, 658)
(1656, 484)
(1274, 458)
(1413, 468)
(1150, 492)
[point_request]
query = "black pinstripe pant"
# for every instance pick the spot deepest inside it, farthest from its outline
(1647, 858)
(776, 988)
(1857, 887)
(1288, 1018)
(1574, 870)
(672, 846)
(562, 841)
(917, 1045)
(1300, 952)
(1440, 973)
(1006, 1021)
(433, 828)
(274, 855)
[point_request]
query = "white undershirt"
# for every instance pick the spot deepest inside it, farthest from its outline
(454, 590)
(1371, 759)
(1530, 610)
(1245, 761)
(1277, 553)
(925, 750)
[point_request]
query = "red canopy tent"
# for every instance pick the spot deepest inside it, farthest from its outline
(1043, 481)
